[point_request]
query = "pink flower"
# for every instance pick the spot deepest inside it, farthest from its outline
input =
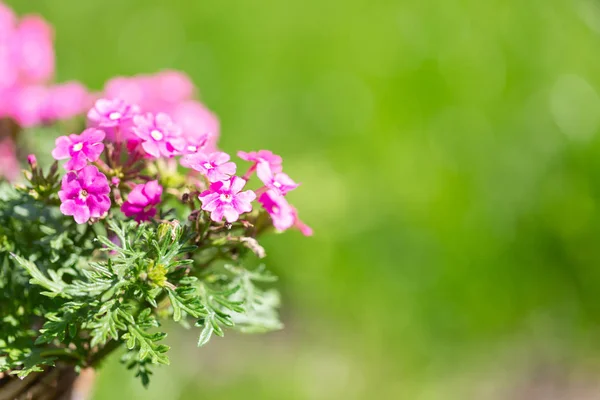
(153, 93)
(114, 117)
(34, 49)
(160, 136)
(66, 100)
(84, 194)
(301, 226)
(256, 157)
(172, 86)
(215, 166)
(278, 182)
(200, 127)
(9, 167)
(225, 199)
(281, 212)
(26, 105)
(81, 149)
(142, 200)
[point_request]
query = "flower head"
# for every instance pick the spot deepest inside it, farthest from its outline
(225, 199)
(281, 212)
(81, 149)
(256, 157)
(278, 182)
(34, 49)
(142, 201)
(159, 134)
(215, 166)
(84, 194)
(113, 116)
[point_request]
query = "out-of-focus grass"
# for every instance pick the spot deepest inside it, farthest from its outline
(450, 161)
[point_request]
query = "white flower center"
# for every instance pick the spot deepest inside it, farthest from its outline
(83, 195)
(277, 184)
(225, 198)
(114, 115)
(208, 165)
(157, 135)
(275, 210)
(193, 148)
(78, 147)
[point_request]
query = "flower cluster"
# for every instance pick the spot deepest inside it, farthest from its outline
(26, 69)
(139, 143)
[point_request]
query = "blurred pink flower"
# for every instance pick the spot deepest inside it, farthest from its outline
(282, 214)
(153, 93)
(255, 157)
(27, 104)
(84, 194)
(278, 182)
(215, 166)
(301, 226)
(81, 149)
(200, 127)
(159, 135)
(142, 201)
(225, 199)
(9, 165)
(65, 101)
(34, 49)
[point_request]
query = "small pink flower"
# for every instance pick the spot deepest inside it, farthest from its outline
(160, 136)
(81, 149)
(200, 127)
(256, 157)
(84, 194)
(301, 226)
(225, 199)
(34, 49)
(281, 212)
(172, 86)
(142, 201)
(114, 117)
(66, 100)
(278, 182)
(9, 167)
(26, 105)
(215, 166)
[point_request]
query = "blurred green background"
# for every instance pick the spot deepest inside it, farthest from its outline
(450, 161)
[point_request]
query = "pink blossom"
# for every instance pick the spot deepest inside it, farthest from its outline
(225, 199)
(159, 134)
(278, 182)
(9, 167)
(153, 93)
(27, 104)
(66, 100)
(215, 166)
(81, 149)
(281, 212)
(301, 226)
(200, 127)
(32, 161)
(132, 90)
(84, 194)
(142, 201)
(172, 86)
(256, 157)
(114, 117)
(34, 49)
